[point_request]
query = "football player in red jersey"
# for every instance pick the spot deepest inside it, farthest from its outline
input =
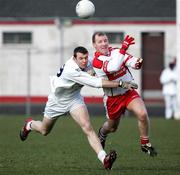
(112, 64)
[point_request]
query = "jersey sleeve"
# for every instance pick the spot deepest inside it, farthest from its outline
(113, 63)
(130, 61)
(84, 78)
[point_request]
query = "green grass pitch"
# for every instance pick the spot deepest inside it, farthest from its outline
(65, 151)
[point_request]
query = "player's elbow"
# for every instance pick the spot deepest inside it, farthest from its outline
(114, 69)
(87, 128)
(97, 85)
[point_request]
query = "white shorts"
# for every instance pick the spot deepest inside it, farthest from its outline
(58, 108)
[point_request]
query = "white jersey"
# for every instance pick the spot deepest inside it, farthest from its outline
(71, 80)
(65, 89)
(168, 79)
(114, 67)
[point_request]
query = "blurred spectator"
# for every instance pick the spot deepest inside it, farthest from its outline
(168, 80)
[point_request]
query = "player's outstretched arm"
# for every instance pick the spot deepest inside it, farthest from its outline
(123, 84)
(133, 62)
(115, 62)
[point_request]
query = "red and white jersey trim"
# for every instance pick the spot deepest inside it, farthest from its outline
(113, 67)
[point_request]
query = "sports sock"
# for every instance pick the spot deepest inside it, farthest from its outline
(101, 155)
(28, 126)
(102, 136)
(144, 140)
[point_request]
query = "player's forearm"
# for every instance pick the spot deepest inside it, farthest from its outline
(133, 62)
(123, 84)
(110, 84)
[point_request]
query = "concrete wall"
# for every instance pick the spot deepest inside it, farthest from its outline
(53, 45)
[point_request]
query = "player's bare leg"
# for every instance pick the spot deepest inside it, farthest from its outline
(108, 127)
(138, 108)
(43, 127)
(81, 116)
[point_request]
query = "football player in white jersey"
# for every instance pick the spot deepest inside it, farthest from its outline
(112, 64)
(65, 98)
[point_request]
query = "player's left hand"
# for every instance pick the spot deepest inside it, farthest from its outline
(139, 63)
(126, 43)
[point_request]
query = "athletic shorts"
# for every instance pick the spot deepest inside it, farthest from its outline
(55, 108)
(116, 105)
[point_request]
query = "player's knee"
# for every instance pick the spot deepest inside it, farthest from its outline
(143, 116)
(45, 132)
(87, 128)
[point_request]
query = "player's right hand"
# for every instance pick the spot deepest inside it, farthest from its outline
(126, 43)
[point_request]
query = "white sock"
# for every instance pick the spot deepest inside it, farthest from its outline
(101, 155)
(28, 126)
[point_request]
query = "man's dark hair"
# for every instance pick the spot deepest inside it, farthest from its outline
(97, 34)
(80, 49)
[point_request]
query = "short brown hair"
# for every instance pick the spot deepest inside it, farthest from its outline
(98, 34)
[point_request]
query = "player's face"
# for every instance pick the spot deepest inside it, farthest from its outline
(81, 60)
(101, 44)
